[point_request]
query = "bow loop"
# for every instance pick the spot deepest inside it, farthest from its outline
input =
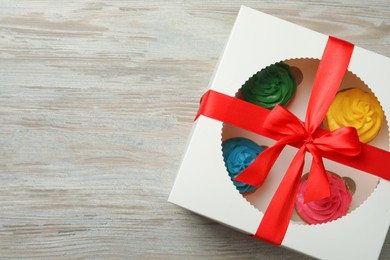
(284, 122)
(343, 140)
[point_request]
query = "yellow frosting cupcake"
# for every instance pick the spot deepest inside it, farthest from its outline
(354, 107)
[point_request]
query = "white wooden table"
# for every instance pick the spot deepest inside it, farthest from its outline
(97, 99)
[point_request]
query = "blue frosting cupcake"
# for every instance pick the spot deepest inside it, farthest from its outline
(238, 153)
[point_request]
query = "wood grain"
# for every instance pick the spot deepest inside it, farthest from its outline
(97, 100)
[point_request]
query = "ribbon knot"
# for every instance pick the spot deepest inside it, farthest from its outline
(309, 140)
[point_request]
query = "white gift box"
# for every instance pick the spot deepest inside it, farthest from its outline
(203, 185)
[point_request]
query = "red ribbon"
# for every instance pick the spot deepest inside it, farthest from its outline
(341, 145)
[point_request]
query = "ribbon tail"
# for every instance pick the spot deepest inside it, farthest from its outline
(277, 216)
(256, 173)
(317, 182)
(258, 170)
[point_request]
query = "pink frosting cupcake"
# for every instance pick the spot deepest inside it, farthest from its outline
(327, 209)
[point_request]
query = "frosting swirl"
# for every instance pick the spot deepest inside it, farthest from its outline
(327, 209)
(272, 85)
(354, 107)
(238, 153)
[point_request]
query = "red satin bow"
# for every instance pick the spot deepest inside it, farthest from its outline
(343, 141)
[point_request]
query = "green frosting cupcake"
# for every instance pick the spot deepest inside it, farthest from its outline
(272, 85)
